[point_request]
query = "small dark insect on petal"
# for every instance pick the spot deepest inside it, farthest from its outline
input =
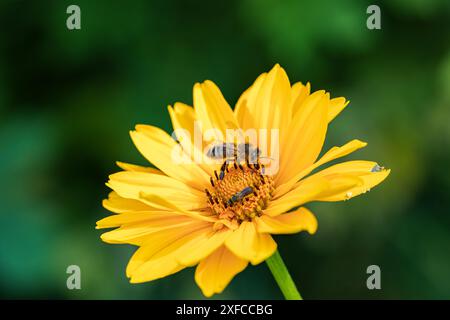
(246, 191)
(377, 168)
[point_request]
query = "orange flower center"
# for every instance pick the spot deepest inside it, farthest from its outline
(239, 192)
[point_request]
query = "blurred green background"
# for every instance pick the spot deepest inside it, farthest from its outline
(69, 98)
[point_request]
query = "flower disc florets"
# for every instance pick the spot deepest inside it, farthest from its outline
(240, 191)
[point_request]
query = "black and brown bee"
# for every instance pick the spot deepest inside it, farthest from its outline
(238, 152)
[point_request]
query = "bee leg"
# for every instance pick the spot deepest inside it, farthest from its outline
(210, 199)
(247, 161)
(222, 170)
(224, 164)
(262, 179)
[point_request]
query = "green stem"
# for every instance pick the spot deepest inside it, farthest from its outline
(282, 277)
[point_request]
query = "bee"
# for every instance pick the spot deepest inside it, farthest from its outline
(239, 195)
(242, 151)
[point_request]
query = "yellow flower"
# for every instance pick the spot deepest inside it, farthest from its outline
(190, 213)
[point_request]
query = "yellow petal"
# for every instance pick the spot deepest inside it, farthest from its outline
(157, 242)
(299, 93)
(212, 109)
(292, 222)
(183, 117)
(248, 244)
(271, 114)
(137, 232)
(205, 247)
(163, 204)
(272, 101)
(246, 106)
(133, 167)
(300, 195)
(161, 150)
(189, 134)
(335, 107)
(339, 183)
(117, 220)
(129, 184)
(215, 272)
(266, 105)
(157, 256)
(332, 154)
(362, 170)
(118, 204)
(305, 138)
